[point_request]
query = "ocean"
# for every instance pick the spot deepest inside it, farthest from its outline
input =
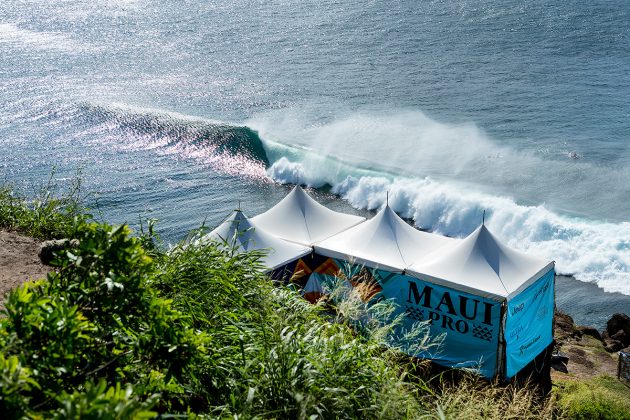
(185, 110)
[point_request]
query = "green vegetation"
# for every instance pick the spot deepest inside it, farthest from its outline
(49, 214)
(125, 329)
(602, 397)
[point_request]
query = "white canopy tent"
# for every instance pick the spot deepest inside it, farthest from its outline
(492, 305)
(239, 232)
(480, 264)
(385, 241)
(301, 219)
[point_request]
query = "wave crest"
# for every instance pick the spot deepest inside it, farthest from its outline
(228, 148)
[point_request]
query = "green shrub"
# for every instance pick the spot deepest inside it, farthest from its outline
(96, 318)
(98, 401)
(15, 384)
(602, 397)
(274, 355)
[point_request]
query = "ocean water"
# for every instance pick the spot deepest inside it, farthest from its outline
(184, 110)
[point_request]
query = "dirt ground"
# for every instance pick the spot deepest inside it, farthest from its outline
(587, 356)
(18, 262)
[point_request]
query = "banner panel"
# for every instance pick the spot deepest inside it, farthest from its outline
(469, 324)
(528, 327)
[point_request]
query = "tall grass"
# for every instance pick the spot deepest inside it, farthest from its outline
(469, 398)
(50, 213)
(602, 397)
(280, 356)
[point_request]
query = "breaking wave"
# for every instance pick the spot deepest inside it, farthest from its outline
(591, 250)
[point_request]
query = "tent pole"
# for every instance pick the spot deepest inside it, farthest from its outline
(501, 347)
(553, 319)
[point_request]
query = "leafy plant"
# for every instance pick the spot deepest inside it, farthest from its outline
(50, 213)
(96, 318)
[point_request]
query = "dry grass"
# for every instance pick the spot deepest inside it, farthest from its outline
(474, 399)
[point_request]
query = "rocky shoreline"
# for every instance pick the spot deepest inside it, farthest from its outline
(584, 351)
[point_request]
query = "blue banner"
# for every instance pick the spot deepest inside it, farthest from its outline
(529, 324)
(469, 324)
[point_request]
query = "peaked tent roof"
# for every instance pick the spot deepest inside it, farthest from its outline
(385, 241)
(299, 218)
(482, 265)
(239, 232)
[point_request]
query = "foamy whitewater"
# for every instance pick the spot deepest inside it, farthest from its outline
(183, 111)
(592, 251)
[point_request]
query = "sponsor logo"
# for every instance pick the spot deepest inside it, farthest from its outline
(518, 308)
(541, 290)
(450, 311)
(525, 347)
(515, 332)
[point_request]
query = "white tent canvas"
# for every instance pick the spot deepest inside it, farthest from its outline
(301, 219)
(493, 305)
(238, 232)
(480, 264)
(385, 241)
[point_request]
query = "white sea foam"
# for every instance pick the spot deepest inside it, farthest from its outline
(591, 250)
(409, 143)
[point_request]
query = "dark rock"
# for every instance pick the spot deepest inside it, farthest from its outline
(589, 331)
(48, 249)
(612, 346)
(560, 357)
(618, 322)
(605, 335)
(622, 337)
(559, 362)
(564, 323)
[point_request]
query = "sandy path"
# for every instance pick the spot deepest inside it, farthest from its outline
(18, 262)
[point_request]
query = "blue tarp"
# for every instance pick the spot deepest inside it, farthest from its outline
(469, 324)
(528, 327)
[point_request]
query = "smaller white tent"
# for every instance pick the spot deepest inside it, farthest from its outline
(238, 232)
(386, 242)
(480, 264)
(301, 219)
